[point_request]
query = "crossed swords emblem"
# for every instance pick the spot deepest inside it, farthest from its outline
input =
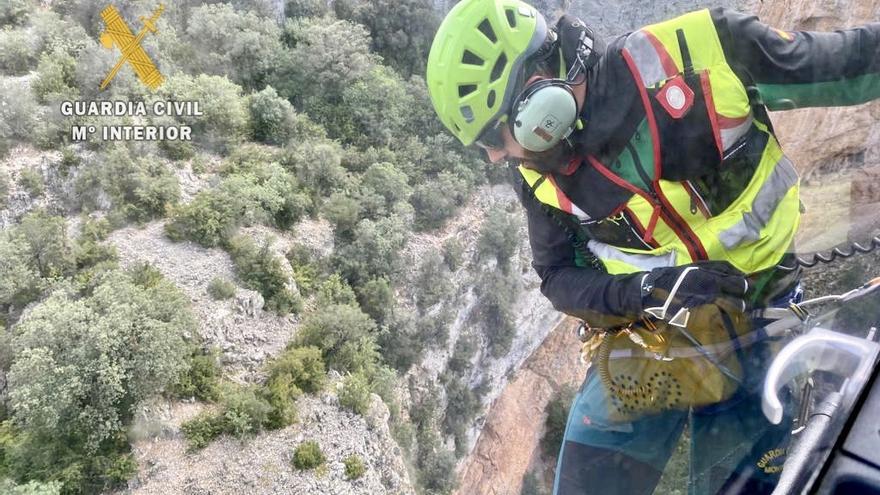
(118, 33)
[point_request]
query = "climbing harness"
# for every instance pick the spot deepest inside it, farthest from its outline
(650, 365)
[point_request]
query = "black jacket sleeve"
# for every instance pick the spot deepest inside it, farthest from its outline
(602, 300)
(793, 69)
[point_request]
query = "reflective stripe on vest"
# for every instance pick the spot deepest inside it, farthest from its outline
(620, 261)
(753, 232)
(771, 193)
(656, 64)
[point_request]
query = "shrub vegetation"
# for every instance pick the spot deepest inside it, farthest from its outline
(324, 115)
(221, 288)
(308, 455)
(261, 270)
(354, 467)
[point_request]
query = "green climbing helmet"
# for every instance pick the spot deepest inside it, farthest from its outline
(476, 59)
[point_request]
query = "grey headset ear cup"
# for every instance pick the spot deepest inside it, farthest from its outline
(544, 114)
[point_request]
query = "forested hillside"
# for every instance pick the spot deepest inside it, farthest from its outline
(313, 115)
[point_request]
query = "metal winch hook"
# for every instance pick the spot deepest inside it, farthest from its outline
(819, 349)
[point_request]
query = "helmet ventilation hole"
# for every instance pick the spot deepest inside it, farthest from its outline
(498, 69)
(511, 17)
(487, 31)
(466, 89)
(471, 58)
(467, 112)
(490, 100)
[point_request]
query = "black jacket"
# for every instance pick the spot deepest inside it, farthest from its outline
(808, 68)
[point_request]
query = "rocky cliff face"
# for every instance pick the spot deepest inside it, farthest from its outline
(533, 315)
(497, 464)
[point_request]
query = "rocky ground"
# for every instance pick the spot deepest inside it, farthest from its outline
(262, 464)
(245, 334)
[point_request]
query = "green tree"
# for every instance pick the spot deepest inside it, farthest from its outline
(303, 366)
(139, 188)
(374, 251)
(355, 393)
(499, 237)
(554, 423)
(385, 179)
(376, 298)
(305, 8)
(203, 429)
(453, 253)
(437, 471)
(374, 110)
(245, 410)
(20, 283)
(463, 404)
(262, 271)
(433, 282)
(426, 159)
(240, 45)
(460, 361)
(317, 165)
(56, 32)
(344, 212)
(253, 192)
(401, 30)
(4, 186)
(272, 118)
(401, 341)
(55, 77)
(306, 268)
(48, 249)
(497, 292)
(335, 290)
(18, 112)
(82, 365)
(31, 180)
(345, 335)
(221, 288)
(14, 12)
(325, 56)
(33, 255)
(209, 219)
(423, 119)
(225, 121)
(31, 488)
(200, 379)
(437, 200)
(18, 51)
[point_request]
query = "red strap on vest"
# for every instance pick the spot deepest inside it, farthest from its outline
(649, 232)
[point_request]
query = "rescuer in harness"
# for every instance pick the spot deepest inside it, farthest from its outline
(661, 212)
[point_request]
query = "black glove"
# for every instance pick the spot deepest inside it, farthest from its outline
(667, 293)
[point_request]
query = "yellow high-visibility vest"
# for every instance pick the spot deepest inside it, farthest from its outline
(758, 227)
